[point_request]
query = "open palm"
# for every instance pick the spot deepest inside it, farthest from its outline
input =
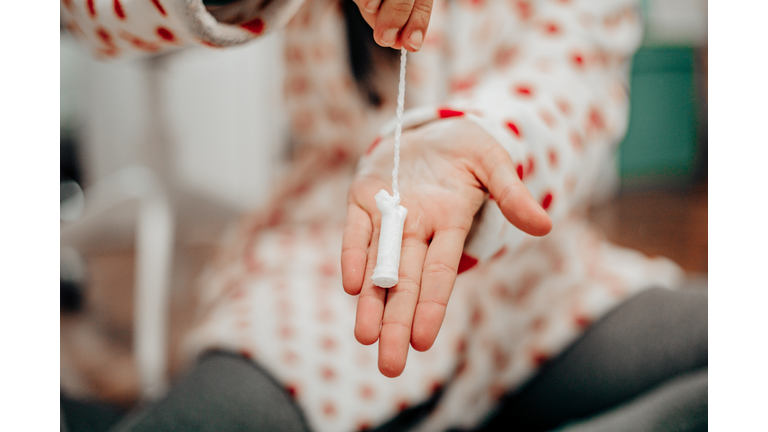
(447, 169)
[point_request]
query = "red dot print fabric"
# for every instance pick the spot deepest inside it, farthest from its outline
(152, 26)
(545, 79)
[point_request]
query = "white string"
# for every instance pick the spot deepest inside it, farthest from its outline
(399, 127)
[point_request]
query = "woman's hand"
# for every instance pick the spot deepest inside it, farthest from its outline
(445, 169)
(397, 23)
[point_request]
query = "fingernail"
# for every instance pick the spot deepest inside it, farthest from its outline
(389, 37)
(372, 6)
(416, 39)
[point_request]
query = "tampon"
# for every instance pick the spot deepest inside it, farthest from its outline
(385, 275)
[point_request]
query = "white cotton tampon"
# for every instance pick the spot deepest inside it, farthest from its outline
(385, 274)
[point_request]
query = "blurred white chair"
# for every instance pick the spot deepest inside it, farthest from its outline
(132, 206)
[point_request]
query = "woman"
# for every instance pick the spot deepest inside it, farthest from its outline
(513, 108)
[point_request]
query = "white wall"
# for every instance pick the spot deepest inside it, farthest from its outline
(223, 118)
(682, 22)
(227, 119)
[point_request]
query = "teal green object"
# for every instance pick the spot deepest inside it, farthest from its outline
(661, 143)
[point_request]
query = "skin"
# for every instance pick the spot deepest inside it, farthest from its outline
(447, 169)
(397, 23)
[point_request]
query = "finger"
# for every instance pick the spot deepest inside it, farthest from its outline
(370, 6)
(437, 279)
(412, 35)
(370, 303)
(354, 248)
(393, 14)
(401, 302)
(369, 17)
(513, 198)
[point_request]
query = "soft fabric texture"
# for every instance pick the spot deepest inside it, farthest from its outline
(600, 381)
(641, 345)
(222, 393)
(547, 79)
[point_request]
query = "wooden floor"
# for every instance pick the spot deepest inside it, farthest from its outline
(96, 360)
(667, 223)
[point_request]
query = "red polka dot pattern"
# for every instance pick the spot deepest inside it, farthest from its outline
(546, 202)
(292, 390)
(402, 406)
(165, 34)
(118, 9)
(578, 60)
(373, 145)
(551, 28)
(462, 84)
(514, 128)
(582, 321)
(367, 392)
(524, 9)
(159, 7)
(91, 8)
(466, 263)
(523, 90)
(539, 358)
(255, 26)
(104, 35)
(447, 113)
(329, 409)
(500, 253)
(552, 156)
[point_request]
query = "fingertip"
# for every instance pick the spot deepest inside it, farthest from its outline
(393, 349)
(390, 365)
(372, 6)
(522, 210)
(415, 40)
(421, 343)
(390, 371)
(370, 309)
(388, 37)
(353, 263)
(538, 223)
(426, 325)
(415, 30)
(545, 227)
(365, 338)
(354, 249)
(351, 280)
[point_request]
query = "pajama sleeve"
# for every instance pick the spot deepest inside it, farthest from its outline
(547, 80)
(128, 29)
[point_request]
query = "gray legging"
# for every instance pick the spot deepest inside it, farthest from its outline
(656, 336)
(642, 367)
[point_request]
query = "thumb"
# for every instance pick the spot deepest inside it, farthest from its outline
(513, 198)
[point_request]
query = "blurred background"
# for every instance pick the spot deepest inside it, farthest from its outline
(151, 175)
